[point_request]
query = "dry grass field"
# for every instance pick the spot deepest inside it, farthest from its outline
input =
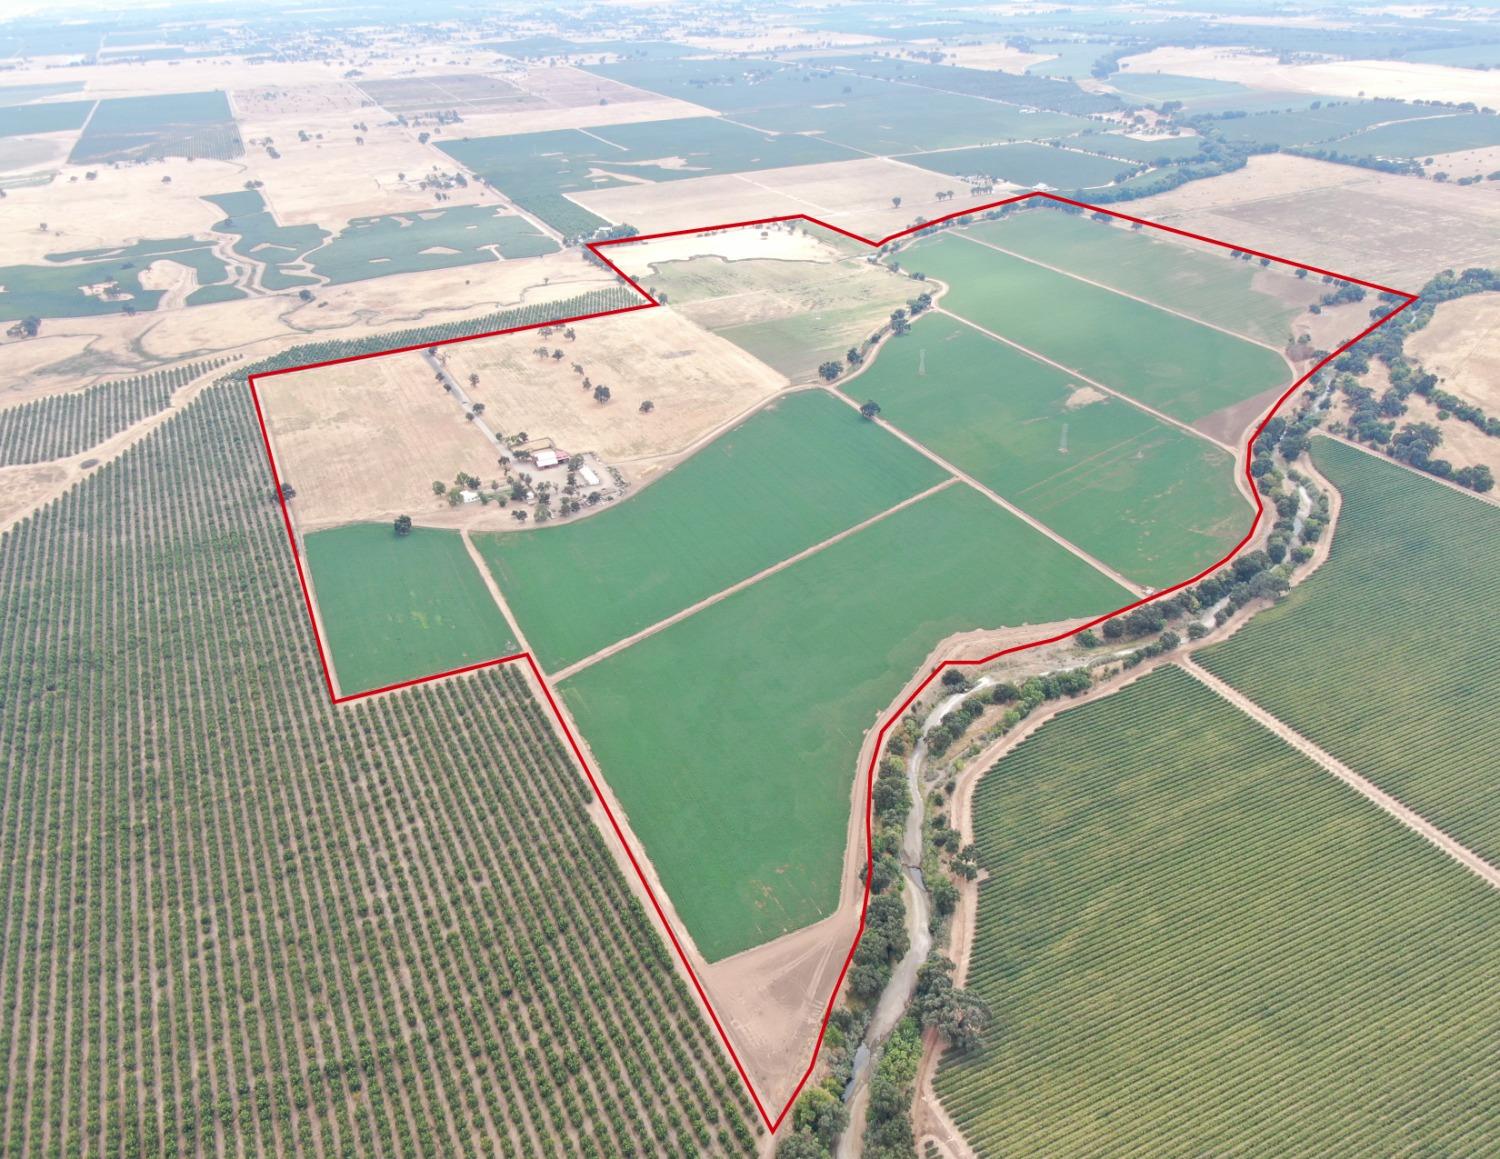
(855, 194)
(1461, 345)
(695, 380)
(1340, 78)
(366, 440)
(1372, 225)
(118, 207)
(999, 57)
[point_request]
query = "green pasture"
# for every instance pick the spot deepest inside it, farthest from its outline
(866, 113)
(1202, 282)
(1160, 359)
(20, 120)
(798, 344)
(1025, 164)
(1070, 58)
(780, 482)
(535, 170)
(731, 738)
(1153, 502)
(263, 240)
(1424, 137)
(1195, 941)
(395, 607)
(1386, 655)
(372, 247)
(56, 290)
(174, 124)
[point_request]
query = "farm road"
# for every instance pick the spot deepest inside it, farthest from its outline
(1375, 795)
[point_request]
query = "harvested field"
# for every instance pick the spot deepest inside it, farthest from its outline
(1468, 163)
(1461, 345)
(1371, 225)
(856, 194)
(1027, 165)
(1148, 499)
(1341, 78)
(695, 380)
(458, 92)
(395, 607)
(1184, 918)
(770, 693)
(738, 506)
(1401, 706)
(365, 440)
(297, 101)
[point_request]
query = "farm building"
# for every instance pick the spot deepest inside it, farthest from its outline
(545, 459)
(589, 476)
(469, 496)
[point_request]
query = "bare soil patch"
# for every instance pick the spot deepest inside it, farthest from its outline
(176, 281)
(1461, 345)
(1084, 395)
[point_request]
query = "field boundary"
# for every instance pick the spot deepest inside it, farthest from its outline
(773, 1118)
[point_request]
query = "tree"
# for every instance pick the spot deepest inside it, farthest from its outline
(960, 1016)
(601, 394)
(439, 487)
(831, 370)
(305, 295)
(647, 407)
(403, 525)
(801, 1145)
(821, 1114)
(474, 379)
(479, 408)
(870, 409)
(896, 203)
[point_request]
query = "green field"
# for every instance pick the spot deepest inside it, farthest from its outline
(18, 120)
(1150, 500)
(1386, 655)
(262, 239)
(56, 290)
(148, 128)
(784, 480)
(1196, 942)
(24, 94)
(394, 608)
(535, 170)
(1164, 361)
(1425, 137)
(731, 737)
(1203, 283)
(372, 247)
(1310, 126)
(1026, 164)
(865, 113)
(1151, 150)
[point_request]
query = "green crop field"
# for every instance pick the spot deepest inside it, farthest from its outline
(731, 737)
(867, 113)
(786, 479)
(18, 120)
(1385, 656)
(1204, 283)
(535, 170)
(1422, 138)
(151, 127)
(1026, 164)
(1310, 126)
(263, 239)
(1150, 150)
(1197, 942)
(1165, 361)
(11, 95)
(1150, 500)
(397, 607)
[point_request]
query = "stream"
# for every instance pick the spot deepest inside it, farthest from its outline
(903, 982)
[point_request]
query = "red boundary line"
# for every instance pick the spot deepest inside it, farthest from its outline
(648, 303)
